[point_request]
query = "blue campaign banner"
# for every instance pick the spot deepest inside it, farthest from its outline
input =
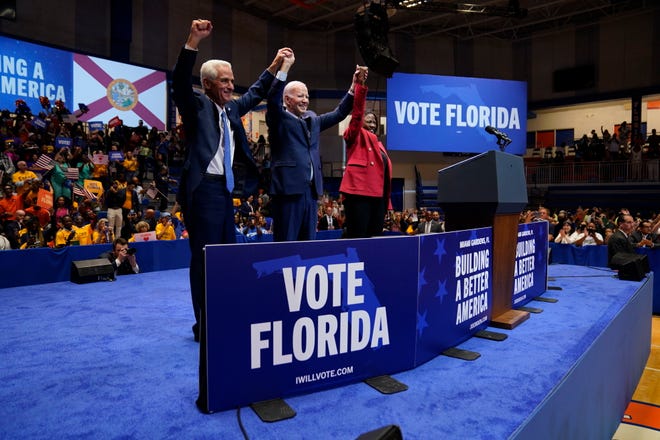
(61, 142)
(450, 114)
(39, 123)
(116, 156)
(455, 289)
(95, 125)
(530, 276)
(30, 71)
(291, 318)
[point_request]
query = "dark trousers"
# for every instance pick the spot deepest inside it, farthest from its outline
(294, 216)
(364, 216)
(209, 220)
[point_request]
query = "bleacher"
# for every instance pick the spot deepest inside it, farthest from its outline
(426, 195)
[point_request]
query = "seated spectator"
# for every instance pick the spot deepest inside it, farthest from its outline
(150, 217)
(429, 224)
(130, 224)
(84, 231)
(10, 203)
(37, 211)
(32, 235)
(12, 227)
(328, 221)
(620, 242)
(252, 229)
(140, 227)
(246, 207)
(102, 233)
(564, 235)
(164, 228)
(644, 236)
(122, 258)
(586, 235)
(23, 177)
(66, 235)
(4, 241)
(62, 207)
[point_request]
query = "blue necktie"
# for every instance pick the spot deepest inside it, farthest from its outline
(226, 144)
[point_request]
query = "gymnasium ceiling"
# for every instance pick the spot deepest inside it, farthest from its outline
(500, 19)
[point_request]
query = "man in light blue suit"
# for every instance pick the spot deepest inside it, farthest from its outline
(296, 177)
(217, 163)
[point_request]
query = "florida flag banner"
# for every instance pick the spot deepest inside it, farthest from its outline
(114, 89)
(103, 88)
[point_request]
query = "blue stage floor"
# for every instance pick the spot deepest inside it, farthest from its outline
(117, 359)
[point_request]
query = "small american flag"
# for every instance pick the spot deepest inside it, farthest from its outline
(72, 173)
(44, 162)
(83, 192)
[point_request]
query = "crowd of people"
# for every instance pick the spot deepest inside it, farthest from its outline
(48, 160)
(643, 154)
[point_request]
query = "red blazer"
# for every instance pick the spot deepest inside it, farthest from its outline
(365, 170)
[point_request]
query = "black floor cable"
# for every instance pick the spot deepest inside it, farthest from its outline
(240, 424)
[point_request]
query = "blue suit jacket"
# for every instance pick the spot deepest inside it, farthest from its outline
(202, 132)
(294, 143)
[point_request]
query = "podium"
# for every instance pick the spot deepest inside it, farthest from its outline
(489, 190)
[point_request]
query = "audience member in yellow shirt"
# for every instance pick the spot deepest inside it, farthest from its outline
(164, 228)
(66, 235)
(83, 231)
(23, 177)
(130, 165)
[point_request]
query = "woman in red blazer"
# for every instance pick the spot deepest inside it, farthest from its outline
(366, 184)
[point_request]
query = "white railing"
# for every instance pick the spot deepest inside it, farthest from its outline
(592, 172)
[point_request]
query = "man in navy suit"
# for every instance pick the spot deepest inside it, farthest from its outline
(205, 192)
(296, 177)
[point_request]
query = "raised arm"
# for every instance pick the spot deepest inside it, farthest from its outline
(359, 101)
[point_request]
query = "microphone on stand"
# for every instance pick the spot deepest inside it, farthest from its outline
(502, 139)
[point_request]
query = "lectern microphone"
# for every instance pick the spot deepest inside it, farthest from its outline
(502, 139)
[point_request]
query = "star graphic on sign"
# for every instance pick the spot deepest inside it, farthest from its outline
(442, 290)
(421, 281)
(421, 323)
(440, 250)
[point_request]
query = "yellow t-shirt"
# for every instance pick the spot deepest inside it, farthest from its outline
(130, 164)
(165, 232)
(22, 176)
(83, 234)
(62, 236)
(128, 204)
(100, 171)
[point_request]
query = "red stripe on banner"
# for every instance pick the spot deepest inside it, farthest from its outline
(153, 79)
(97, 107)
(93, 69)
(148, 117)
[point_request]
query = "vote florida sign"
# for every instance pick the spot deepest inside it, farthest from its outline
(291, 318)
(450, 114)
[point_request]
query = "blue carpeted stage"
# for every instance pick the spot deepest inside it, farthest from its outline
(117, 359)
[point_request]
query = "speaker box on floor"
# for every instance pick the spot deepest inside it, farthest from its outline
(88, 271)
(631, 267)
(389, 432)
